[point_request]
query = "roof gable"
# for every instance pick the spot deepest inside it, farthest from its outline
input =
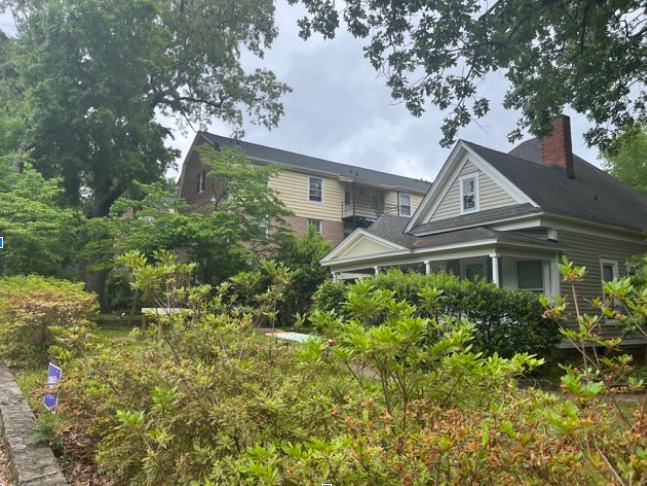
(446, 185)
(593, 195)
(361, 242)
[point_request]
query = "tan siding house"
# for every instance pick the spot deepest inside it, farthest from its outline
(509, 218)
(335, 198)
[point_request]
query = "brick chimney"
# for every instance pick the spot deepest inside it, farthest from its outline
(557, 148)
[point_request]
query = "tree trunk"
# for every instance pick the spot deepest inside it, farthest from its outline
(96, 281)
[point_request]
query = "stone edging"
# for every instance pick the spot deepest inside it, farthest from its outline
(30, 465)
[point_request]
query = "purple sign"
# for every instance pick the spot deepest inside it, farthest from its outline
(54, 374)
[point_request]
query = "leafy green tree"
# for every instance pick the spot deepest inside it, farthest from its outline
(582, 53)
(243, 223)
(39, 234)
(629, 162)
(302, 255)
(93, 78)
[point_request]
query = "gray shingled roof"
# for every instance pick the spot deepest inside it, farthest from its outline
(593, 194)
(392, 228)
(481, 217)
(278, 156)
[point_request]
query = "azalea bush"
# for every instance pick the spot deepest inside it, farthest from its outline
(403, 401)
(31, 307)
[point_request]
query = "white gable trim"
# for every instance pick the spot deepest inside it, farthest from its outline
(449, 173)
(354, 239)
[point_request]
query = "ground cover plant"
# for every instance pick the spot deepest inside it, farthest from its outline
(404, 400)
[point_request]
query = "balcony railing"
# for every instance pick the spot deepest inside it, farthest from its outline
(365, 210)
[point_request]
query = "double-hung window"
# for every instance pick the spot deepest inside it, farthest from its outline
(469, 193)
(530, 276)
(404, 204)
(317, 224)
(609, 269)
(315, 189)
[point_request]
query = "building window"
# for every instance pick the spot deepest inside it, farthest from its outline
(404, 204)
(317, 224)
(609, 270)
(469, 193)
(530, 276)
(264, 226)
(474, 271)
(201, 182)
(315, 193)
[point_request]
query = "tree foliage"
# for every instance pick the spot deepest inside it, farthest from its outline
(629, 162)
(94, 77)
(586, 54)
(40, 234)
(243, 223)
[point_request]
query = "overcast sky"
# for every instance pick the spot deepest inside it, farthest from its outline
(340, 109)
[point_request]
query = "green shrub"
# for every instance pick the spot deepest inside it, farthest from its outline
(506, 321)
(30, 306)
(216, 403)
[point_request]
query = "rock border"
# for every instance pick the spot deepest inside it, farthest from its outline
(29, 465)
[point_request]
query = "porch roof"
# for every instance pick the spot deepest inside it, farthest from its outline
(391, 228)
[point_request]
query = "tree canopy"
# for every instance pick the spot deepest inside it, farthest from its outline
(629, 162)
(94, 76)
(586, 54)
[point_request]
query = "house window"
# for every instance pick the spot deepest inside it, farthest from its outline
(609, 270)
(264, 226)
(469, 193)
(404, 204)
(474, 271)
(530, 276)
(315, 193)
(201, 182)
(317, 224)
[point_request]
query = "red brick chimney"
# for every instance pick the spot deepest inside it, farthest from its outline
(557, 148)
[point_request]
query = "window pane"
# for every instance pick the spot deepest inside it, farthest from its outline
(530, 275)
(468, 186)
(608, 272)
(316, 193)
(316, 223)
(469, 201)
(474, 271)
(405, 205)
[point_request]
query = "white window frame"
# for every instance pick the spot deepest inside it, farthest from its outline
(322, 190)
(410, 205)
(475, 176)
(202, 181)
(542, 265)
(317, 223)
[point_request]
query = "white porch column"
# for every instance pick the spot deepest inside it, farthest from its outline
(377, 269)
(495, 269)
(427, 267)
(334, 275)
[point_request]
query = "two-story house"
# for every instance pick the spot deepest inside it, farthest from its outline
(335, 198)
(509, 218)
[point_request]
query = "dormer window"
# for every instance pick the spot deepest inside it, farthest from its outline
(469, 193)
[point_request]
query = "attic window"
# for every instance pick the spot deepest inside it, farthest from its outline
(469, 193)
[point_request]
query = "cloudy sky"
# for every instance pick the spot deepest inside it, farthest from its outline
(341, 111)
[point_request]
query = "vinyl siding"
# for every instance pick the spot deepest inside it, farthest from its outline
(293, 189)
(391, 200)
(366, 247)
(491, 195)
(586, 250)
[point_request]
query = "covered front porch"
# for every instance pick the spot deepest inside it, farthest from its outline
(520, 265)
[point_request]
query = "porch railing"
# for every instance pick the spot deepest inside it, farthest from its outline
(365, 210)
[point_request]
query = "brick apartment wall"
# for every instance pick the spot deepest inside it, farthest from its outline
(332, 230)
(189, 183)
